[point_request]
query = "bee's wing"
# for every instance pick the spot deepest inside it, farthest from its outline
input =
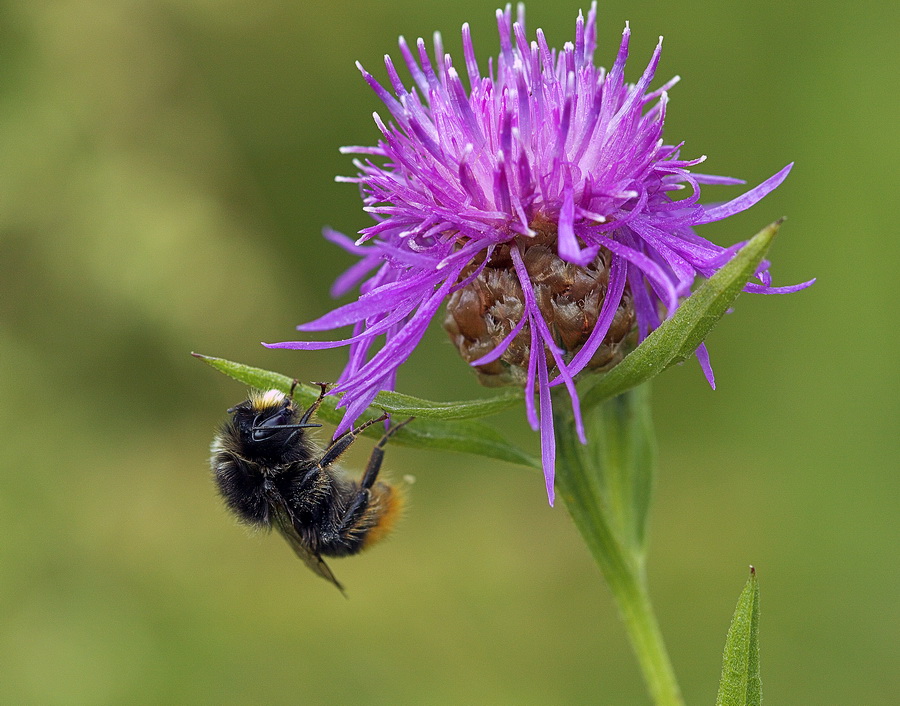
(309, 557)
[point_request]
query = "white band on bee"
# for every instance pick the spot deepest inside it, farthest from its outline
(267, 399)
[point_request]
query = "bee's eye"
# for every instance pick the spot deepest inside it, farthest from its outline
(264, 427)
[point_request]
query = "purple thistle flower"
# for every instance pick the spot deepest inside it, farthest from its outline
(547, 149)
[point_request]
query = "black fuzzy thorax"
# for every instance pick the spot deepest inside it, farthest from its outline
(260, 475)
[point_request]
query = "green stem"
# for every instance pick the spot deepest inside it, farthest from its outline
(586, 487)
(646, 639)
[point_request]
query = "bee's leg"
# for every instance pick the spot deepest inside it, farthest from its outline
(377, 456)
(343, 442)
(307, 415)
(360, 501)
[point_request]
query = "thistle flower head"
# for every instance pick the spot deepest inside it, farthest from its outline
(538, 204)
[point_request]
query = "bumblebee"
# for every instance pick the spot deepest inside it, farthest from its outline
(270, 473)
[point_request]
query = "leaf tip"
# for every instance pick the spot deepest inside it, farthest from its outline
(771, 230)
(752, 570)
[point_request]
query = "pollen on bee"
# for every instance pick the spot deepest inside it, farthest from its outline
(267, 399)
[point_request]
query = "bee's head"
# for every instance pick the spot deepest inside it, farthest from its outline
(268, 427)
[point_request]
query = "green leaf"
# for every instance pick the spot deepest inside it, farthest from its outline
(740, 684)
(261, 379)
(464, 436)
(679, 336)
(439, 431)
(393, 402)
(399, 403)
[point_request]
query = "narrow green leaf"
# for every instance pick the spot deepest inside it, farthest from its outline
(262, 379)
(464, 436)
(399, 403)
(447, 434)
(740, 684)
(678, 337)
(393, 402)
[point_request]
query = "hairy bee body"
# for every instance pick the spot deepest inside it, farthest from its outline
(271, 474)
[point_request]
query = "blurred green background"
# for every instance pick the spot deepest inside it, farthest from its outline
(167, 169)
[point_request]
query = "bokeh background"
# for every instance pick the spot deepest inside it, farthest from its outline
(166, 171)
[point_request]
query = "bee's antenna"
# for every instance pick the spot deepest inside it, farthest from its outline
(285, 426)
